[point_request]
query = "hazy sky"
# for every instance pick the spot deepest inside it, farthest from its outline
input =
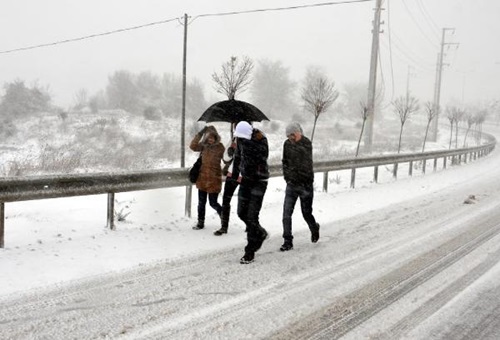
(336, 37)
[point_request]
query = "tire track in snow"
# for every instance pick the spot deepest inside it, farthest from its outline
(351, 310)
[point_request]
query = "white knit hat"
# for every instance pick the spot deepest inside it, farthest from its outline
(292, 128)
(243, 130)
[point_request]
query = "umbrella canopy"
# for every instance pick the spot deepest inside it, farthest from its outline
(232, 111)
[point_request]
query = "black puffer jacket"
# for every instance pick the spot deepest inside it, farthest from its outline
(253, 154)
(297, 162)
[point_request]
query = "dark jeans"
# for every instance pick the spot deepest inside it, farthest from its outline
(229, 189)
(202, 202)
(306, 195)
(250, 197)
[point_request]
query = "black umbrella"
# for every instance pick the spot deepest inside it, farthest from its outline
(232, 111)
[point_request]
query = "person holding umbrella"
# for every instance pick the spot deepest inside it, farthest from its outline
(209, 182)
(299, 176)
(232, 111)
(253, 151)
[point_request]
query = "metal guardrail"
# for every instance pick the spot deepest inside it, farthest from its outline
(14, 189)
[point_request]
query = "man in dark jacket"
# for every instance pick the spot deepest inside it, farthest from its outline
(253, 151)
(299, 176)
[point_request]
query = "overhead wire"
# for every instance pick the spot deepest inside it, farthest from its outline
(91, 36)
(398, 45)
(405, 57)
(426, 17)
(433, 43)
(330, 3)
(390, 46)
(426, 13)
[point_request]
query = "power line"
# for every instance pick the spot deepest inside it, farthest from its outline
(178, 18)
(404, 57)
(398, 44)
(283, 8)
(433, 43)
(426, 13)
(89, 36)
(390, 46)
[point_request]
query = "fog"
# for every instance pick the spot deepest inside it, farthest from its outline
(336, 37)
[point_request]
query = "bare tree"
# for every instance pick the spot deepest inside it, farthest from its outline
(364, 116)
(81, 99)
(318, 95)
(404, 107)
(451, 119)
(459, 116)
(431, 113)
(234, 77)
(470, 119)
(480, 118)
(272, 89)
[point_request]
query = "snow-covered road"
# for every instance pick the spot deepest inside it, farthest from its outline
(412, 261)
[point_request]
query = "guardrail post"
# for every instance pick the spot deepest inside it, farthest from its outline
(375, 174)
(187, 206)
(424, 164)
(353, 177)
(325, 181)
(444, 162)
(2, 223)
(435, 164)
(410, 169)
(111, 211)
(465, 158)
(395, 170)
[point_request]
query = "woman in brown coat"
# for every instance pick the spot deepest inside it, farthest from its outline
(209, 182)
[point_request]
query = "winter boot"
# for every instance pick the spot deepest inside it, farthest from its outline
(224, 220)
(220, 232)
(247, 258)
(262, 237)
(200, 225)
(286, 246)
(315, 233)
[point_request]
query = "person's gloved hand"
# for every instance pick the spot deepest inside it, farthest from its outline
(202, 131)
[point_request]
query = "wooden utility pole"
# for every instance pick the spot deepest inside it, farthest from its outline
(437, 84)
(372, 82)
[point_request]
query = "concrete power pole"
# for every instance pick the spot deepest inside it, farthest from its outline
(183, 113)
(187, 207)
(437, 84)
(408, 84)
(372, 82)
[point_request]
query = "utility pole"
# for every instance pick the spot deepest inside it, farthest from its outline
(187, 207)
(372, 82)
(183, 114)
(408, 83)
(437, 84)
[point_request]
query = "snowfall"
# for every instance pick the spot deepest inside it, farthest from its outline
(58, 244)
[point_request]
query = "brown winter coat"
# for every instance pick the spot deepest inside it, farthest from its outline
(210, 178)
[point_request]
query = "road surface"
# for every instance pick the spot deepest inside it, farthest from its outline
(424, 268)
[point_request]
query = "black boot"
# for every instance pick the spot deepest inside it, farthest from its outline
(315, 233)
(224, 220)
(199, 225)
(220, 232)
